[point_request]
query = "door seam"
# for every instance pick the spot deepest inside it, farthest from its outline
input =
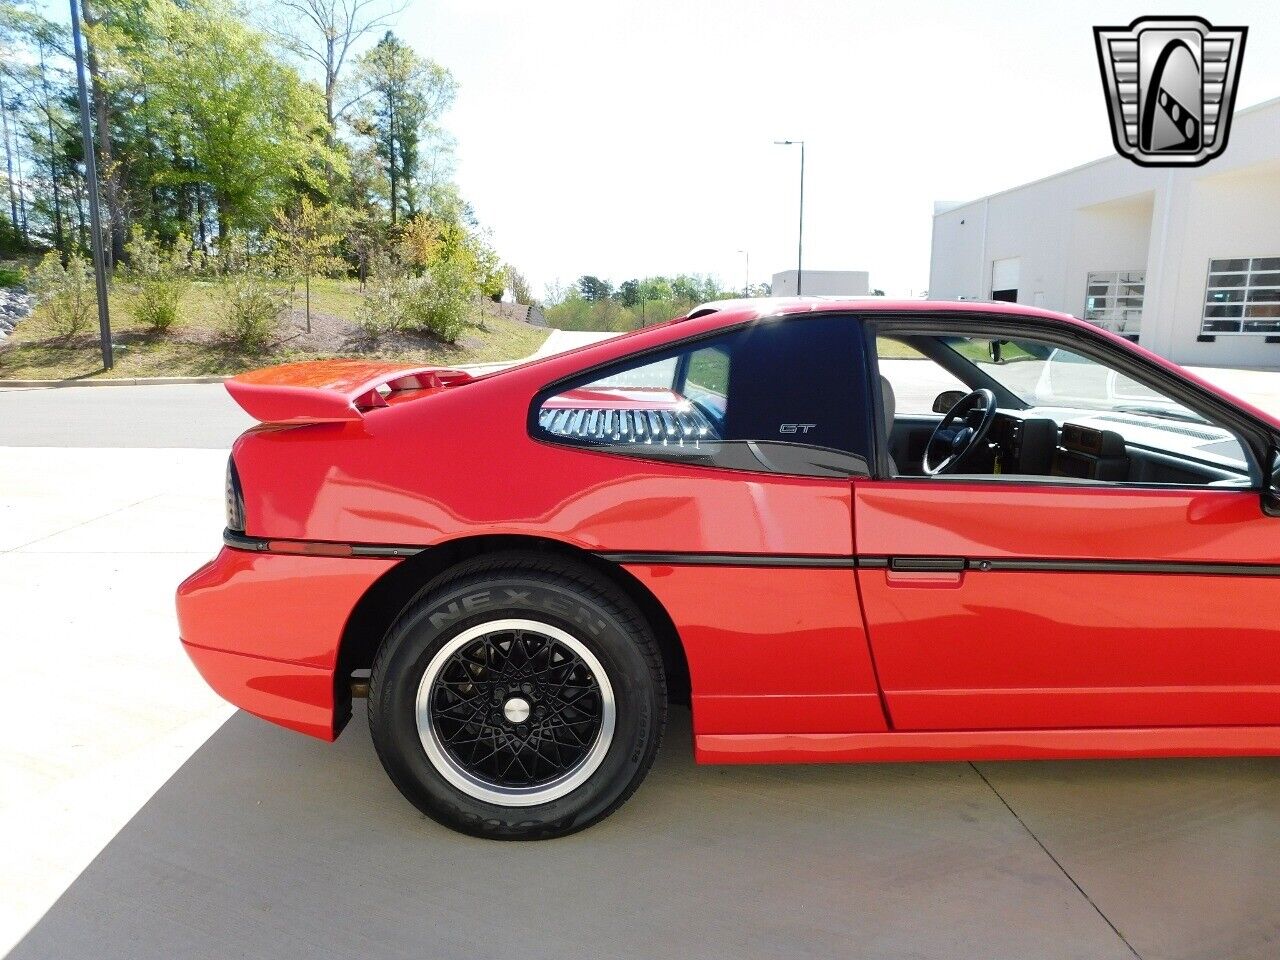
(862, 613)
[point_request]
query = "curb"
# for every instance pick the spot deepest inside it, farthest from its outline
(112, 382)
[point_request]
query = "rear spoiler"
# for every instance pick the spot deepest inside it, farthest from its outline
(328, 391)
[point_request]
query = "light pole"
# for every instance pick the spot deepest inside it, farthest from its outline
(800, 241)
(91, 178)
(746, 273)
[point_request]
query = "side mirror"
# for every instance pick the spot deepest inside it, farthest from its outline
(947, 399)
(995, 348)
(1271, 483)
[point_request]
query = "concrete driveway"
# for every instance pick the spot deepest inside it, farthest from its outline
(140, 817)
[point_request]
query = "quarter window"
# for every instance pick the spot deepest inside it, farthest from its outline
(1113, 301)
(782, 396)
(1243, 296)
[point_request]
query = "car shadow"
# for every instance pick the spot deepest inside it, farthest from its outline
(268, 844)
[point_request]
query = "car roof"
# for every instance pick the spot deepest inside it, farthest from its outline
(773, 306)
(709, 317)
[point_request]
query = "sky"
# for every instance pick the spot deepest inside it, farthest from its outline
(627, 138)
(622, 138)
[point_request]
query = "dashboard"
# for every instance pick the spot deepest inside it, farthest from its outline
(1086, 445)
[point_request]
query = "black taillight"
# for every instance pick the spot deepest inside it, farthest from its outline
(234, 499)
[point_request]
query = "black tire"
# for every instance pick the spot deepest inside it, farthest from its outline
(565, 596)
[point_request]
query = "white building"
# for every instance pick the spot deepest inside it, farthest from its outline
(1185, 261)
(822, 283)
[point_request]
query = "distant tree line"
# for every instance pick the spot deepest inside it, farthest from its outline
(592, 303)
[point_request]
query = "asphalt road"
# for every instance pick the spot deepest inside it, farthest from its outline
(203, 416)
(192, 416)
(180, 415)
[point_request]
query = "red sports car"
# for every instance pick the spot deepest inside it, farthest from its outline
(840, 530)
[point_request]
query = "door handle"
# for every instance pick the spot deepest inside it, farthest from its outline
(925, 572)
(927, 564)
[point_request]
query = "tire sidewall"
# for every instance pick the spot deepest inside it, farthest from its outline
(431, 624)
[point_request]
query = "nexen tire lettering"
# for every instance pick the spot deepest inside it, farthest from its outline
(484, 599)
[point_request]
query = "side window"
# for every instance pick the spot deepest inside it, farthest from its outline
(1154, 439)
(783, 396)
(916, 380)
(1062, 413)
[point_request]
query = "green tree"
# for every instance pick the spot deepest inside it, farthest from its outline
(518, 284)
(628, 293)
(593, 289)
(12, 104)
(402, 96)
(306, 238)
(98, 20)
(491, 275)
(249, 128)
(655, 289)
(363, 239)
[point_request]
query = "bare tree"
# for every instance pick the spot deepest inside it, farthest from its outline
(324, 32)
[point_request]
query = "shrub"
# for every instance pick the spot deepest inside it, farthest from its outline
(251, 311)
(157, 302)
(439, 304)
(379, 309)
(67, 296)
(159, 281)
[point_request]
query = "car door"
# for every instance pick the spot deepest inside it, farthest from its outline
(1046, 602)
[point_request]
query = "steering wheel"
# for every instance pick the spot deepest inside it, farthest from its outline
(961, 430)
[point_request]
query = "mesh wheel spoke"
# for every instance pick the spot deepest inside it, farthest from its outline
(469, 698)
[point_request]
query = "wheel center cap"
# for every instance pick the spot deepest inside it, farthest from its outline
(516, 710)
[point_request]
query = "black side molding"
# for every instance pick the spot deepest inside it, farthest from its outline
(906, 564)
(1132, 566)
(731, 560)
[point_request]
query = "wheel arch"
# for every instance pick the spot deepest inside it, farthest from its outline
(378, 608)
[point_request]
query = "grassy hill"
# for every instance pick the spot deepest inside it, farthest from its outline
(195, 346)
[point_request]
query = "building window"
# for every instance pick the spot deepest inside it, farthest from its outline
(1243, 296)
(1113, 301)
